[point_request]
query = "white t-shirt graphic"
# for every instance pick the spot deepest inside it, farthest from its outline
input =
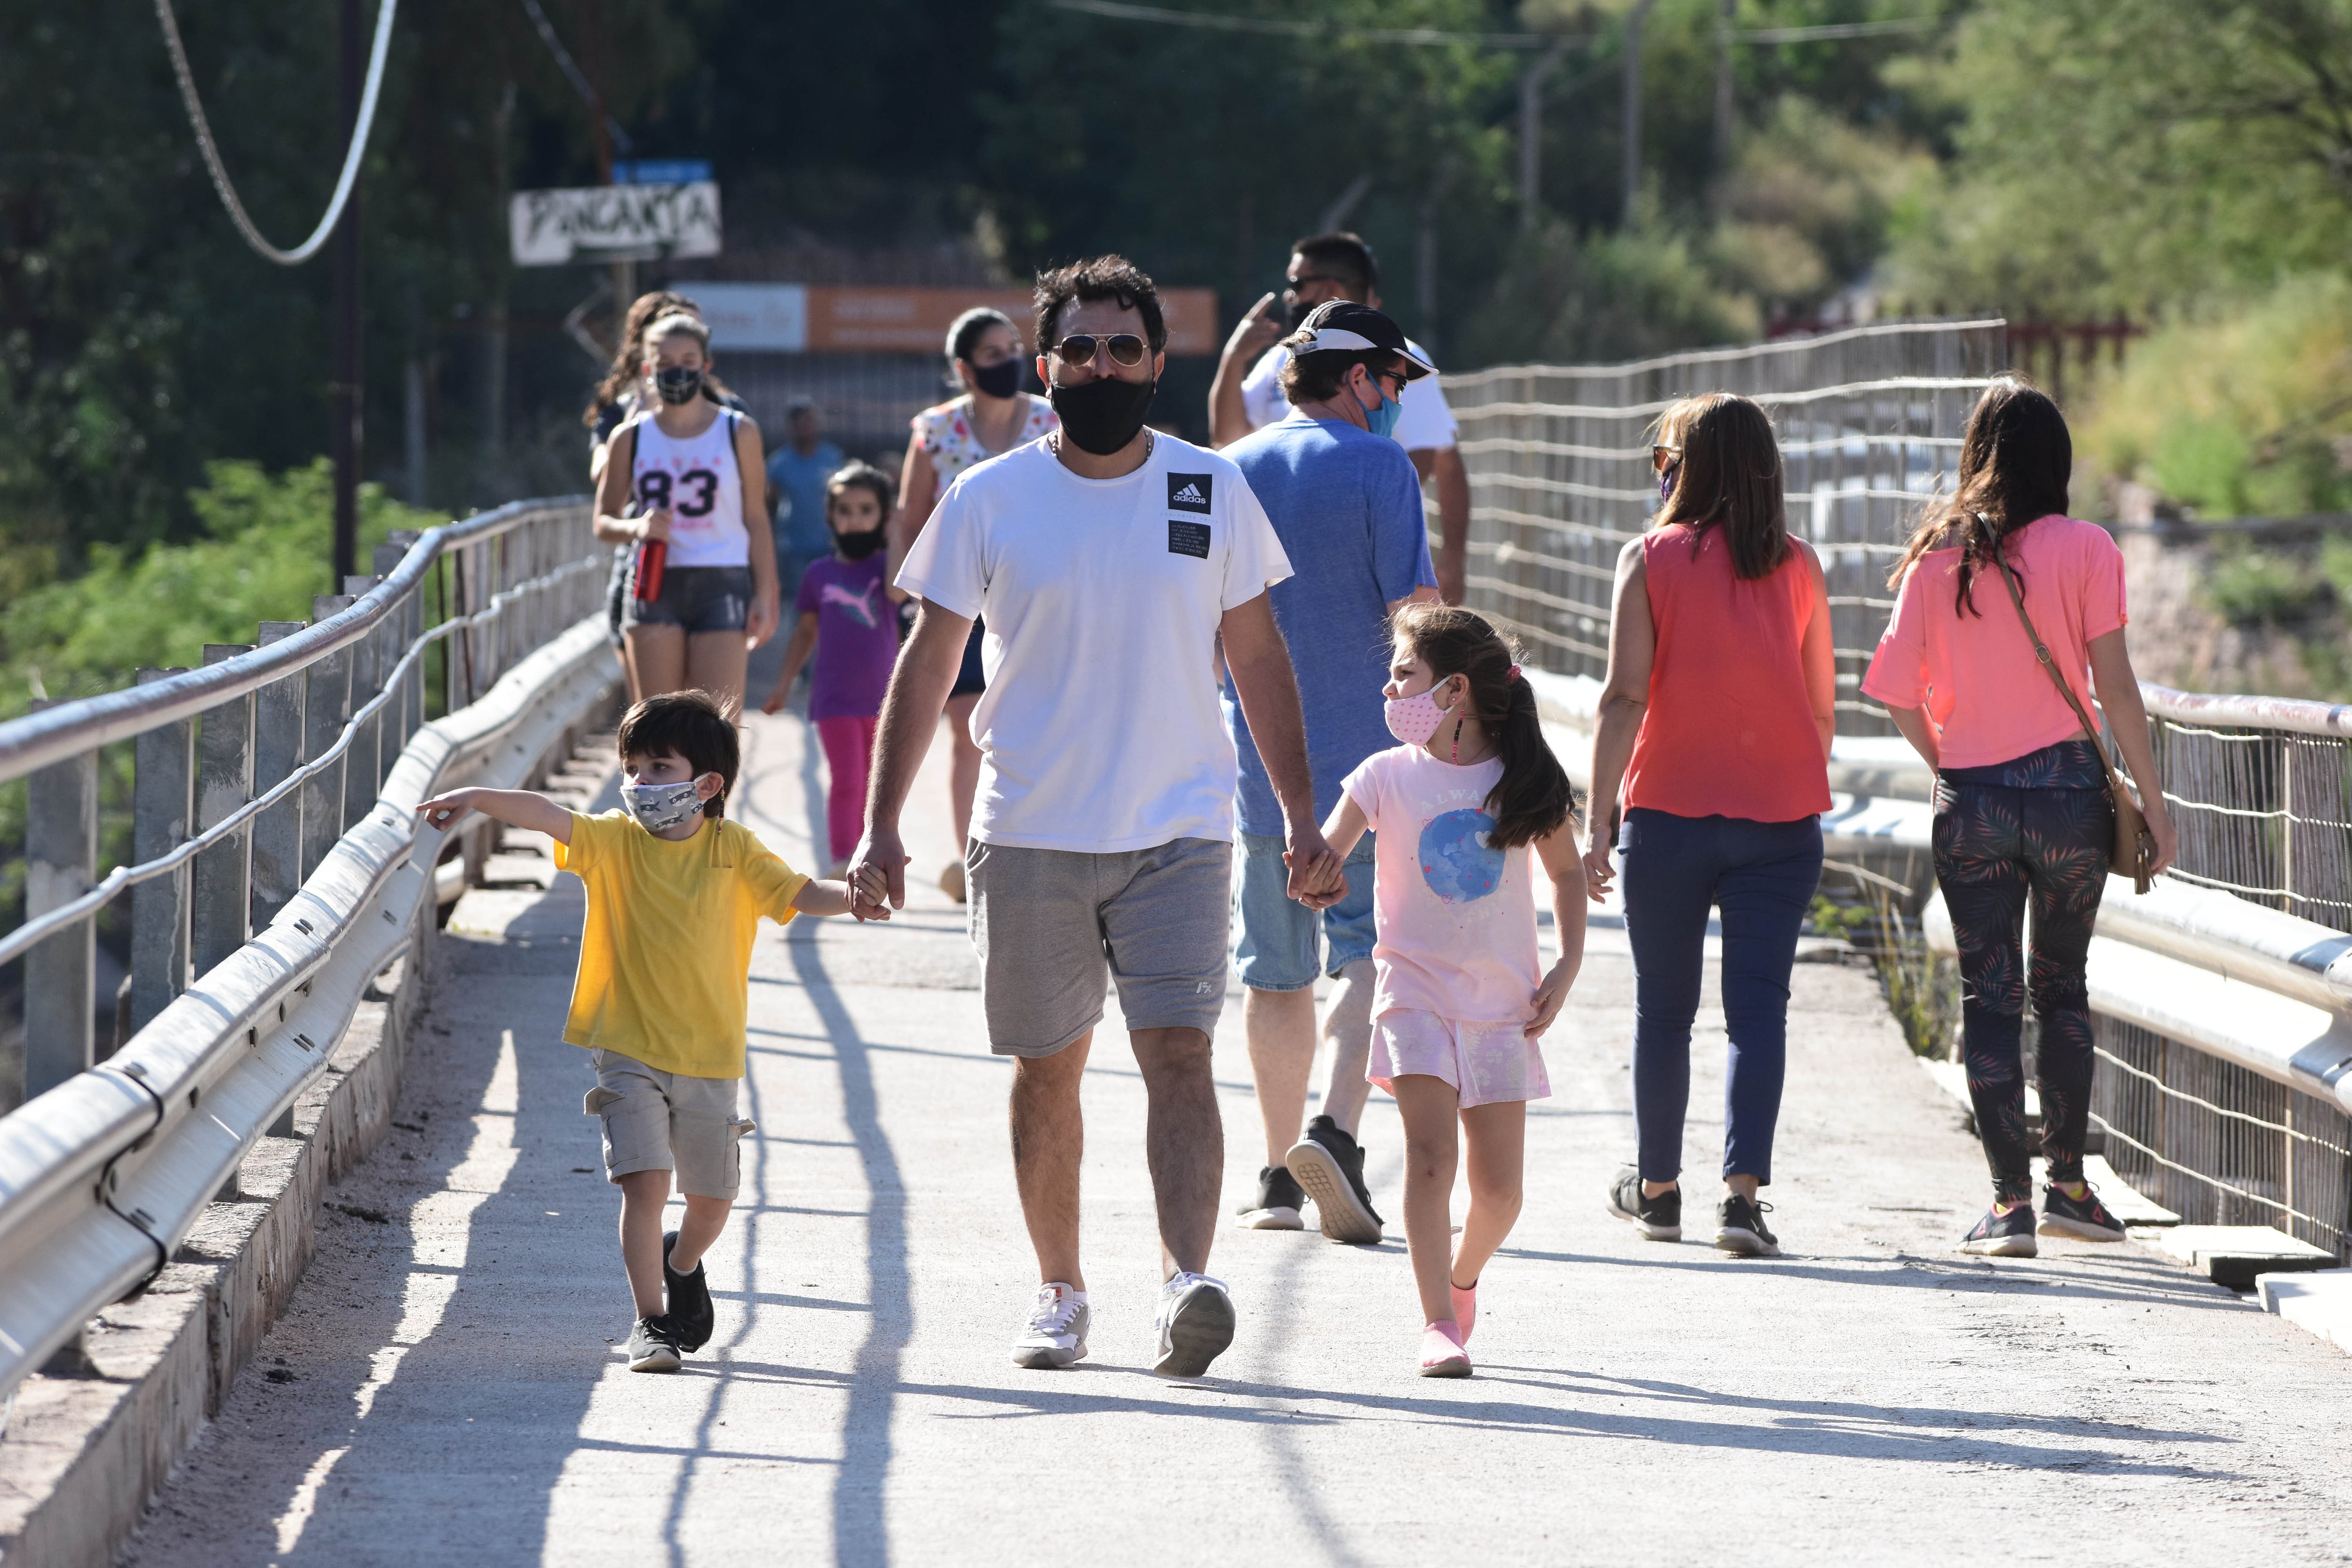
(1100, 730)
(1424, 423)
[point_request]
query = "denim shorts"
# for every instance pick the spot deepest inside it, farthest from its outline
(1278, 933)
(698, 598)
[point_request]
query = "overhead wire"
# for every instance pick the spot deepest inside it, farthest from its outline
(1117, 10)
(344, 184)
(622, 144)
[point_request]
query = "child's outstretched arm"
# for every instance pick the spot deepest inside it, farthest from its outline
(515, 807)
(1563, 860)
(822, 897)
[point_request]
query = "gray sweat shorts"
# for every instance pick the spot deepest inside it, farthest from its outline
(1050, 923)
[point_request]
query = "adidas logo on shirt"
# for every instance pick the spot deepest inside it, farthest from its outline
(1190, 493)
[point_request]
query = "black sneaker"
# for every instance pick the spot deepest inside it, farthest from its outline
(1659, 1218)
(1276, 1205)
(1329, 1163)
(1740, 1228)
(1999, 1234)
(2084, 1218)
(653, 1346)
(691, 1312)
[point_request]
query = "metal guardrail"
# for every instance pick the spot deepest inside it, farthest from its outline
(281, 867)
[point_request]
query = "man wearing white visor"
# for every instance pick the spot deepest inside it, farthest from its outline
(1344, 501)
(1247, 393)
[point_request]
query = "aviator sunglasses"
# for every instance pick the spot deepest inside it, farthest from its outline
(1078, 348)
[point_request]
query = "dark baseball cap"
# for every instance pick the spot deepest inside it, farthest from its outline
(1342, 326)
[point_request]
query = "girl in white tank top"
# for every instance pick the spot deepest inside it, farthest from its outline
(699, 481)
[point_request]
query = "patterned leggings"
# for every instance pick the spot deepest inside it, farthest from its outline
(2037, 826)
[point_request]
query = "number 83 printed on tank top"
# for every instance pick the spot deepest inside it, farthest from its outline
(698, 480)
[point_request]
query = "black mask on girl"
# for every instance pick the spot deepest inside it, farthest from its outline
(678, 382)
(858, 546)
(1001, 379)
(1102, 415)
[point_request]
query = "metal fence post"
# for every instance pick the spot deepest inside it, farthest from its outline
(60, 863)
(325, 705)
(162, 799)
(361, 764)
(277, 752)
(221, 910)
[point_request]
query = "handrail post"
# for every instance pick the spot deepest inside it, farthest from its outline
(277, 752)
(60, 863)
(326, 704)
(220, 919)
(163, 798)
(362, 764)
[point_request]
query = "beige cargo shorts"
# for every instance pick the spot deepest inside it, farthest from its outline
(656, 1120)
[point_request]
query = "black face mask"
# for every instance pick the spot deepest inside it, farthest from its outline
(858, 546)
(1102, 415)
(678, 382)
(1001, 379)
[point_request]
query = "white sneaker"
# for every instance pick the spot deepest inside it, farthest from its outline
(1056, 1334)
(1196, 1323)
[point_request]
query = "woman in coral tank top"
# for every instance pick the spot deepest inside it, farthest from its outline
(1715, 732)
(2023, 811)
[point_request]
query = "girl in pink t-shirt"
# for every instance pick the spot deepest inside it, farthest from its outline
(1458, 1003)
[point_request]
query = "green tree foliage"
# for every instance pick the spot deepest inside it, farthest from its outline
(2126, 154)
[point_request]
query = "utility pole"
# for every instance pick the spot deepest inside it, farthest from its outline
(1633, 20)
(344, 400)
(1723, 107)
(1531, 82)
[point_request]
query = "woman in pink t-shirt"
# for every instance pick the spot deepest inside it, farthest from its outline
(2021, 804)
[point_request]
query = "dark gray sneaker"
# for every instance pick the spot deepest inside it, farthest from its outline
(691, 1313)
(2084, 1218)
(1276, 1205)
(1195, 1321)
(653, 1346)
(1999, 1234)
(1740, 1228)
(1329, 1163)
(1659, 1218)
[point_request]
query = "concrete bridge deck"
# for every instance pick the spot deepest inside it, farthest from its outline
(447, 1386)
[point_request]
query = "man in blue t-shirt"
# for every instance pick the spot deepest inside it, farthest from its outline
(1346, 503)
(797, 473)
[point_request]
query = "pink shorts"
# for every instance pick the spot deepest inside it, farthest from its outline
(1487, 1064)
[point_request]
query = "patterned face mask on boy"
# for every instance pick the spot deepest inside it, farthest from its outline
(659, 807)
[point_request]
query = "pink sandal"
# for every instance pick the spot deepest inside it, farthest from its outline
(1441, 1354)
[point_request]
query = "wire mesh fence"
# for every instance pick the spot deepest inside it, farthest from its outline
(1561, 478)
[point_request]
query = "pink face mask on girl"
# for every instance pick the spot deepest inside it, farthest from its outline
(1413, 720)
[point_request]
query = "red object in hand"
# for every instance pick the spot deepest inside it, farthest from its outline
(651, 553)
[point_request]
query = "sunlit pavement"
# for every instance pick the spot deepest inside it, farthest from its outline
(447, 1386)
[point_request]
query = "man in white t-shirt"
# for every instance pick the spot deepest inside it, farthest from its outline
(1247, 393)
(1106, 561)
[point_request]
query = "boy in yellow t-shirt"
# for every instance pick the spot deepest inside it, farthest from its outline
(674, 896)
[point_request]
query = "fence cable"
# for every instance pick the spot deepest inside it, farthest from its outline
(253, 237)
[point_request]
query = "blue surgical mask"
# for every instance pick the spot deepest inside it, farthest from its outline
(1380, 418)
(662, 807)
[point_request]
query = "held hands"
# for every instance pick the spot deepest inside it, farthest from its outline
(877, 875)
(1318, 878)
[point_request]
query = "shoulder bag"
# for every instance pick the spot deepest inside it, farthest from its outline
(2135, 848)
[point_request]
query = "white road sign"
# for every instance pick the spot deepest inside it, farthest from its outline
(772, 318)
(615, 223)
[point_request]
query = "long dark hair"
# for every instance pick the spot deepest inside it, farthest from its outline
(1731, 479)
(1534, 796)
(2016, 460)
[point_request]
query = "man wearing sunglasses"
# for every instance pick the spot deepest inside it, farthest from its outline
(1247, 394)
(1107, 562)
(1346, 504)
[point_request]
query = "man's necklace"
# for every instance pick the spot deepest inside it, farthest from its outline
(1054, 441)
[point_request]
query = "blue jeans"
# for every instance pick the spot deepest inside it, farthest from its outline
(1762, 875)
(1280, 936)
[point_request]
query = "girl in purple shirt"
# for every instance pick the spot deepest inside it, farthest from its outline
(849, 622)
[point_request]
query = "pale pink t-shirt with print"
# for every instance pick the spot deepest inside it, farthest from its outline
(1454, 918)
(1976, 674)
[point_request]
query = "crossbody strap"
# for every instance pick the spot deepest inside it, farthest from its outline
(2050, 665)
